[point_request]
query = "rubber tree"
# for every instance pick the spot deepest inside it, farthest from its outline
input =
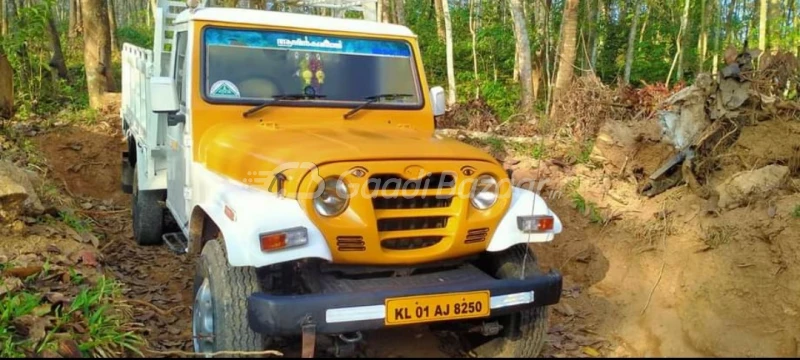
(97, 50)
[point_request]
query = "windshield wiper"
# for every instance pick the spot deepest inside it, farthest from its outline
(372, 99)
(281, 97)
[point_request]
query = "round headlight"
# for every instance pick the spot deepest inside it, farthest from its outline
(333, 197)
(484, 192)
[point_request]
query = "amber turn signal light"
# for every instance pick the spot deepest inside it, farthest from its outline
(283, 239)
(535, 224)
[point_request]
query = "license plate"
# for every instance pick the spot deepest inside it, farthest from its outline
(427, 308)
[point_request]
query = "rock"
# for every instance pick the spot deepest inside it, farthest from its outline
(17, 194)
(745, 185)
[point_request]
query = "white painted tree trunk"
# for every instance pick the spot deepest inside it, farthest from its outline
(451, 76)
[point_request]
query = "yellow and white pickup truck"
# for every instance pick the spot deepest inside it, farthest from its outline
(297, 155)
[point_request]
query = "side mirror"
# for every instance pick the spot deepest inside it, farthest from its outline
(438, 101)
(163, 95)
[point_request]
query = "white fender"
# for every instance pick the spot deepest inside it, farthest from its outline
(255, 212)
(522, 204)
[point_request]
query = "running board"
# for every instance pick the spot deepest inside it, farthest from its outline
(176, 242)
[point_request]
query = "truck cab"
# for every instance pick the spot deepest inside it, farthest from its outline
(298, 158)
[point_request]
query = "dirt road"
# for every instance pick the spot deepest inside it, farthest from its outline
(661, 279)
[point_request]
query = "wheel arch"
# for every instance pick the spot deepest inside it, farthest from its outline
(202, 228)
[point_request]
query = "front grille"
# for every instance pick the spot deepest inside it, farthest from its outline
(350, 243)
(418, 202)
(395, 182)
(413, 223)
(476, 236)
(411, 243)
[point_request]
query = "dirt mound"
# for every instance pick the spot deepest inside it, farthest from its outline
(85, 159)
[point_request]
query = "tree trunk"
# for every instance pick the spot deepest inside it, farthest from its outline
(6, 87)
(74, 19)
(112, 25)
(3, 19)
(729, 23)
(97, 50)
(400, 11)
(631, 43)
(473, 31)
(451, 76)
(57, 61)
(567, 52)
(762, 25)
(595, 42)
(679, 44)
(439, 18)
(523, 55)
(702, 40)
(717, 30)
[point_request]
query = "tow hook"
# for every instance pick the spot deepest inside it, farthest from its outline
(309, 339)
(345, 345)
(488, 328)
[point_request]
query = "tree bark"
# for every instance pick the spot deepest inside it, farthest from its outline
(112, 25)
(439, 18)
(717, 30)
(473, 31)
(523, 51)
(400, 11)
(702, 40)
(57, 61)
(97, 50)
(631, 43)
(6, 87)
(451, 76)
(567, 52)
(3, 18)
(762, 25)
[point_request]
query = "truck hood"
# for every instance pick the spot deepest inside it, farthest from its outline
(252, 151)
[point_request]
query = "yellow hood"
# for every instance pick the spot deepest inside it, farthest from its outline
(251, 151)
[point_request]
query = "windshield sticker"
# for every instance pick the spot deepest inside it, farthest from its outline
(299, 42)
(224, 88)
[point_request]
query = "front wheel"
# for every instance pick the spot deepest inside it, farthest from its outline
(523, 334)
(219, 320)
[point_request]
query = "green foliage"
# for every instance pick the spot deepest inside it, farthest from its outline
(37, 86)
(93, 308)
(796, 212)
(138, 35)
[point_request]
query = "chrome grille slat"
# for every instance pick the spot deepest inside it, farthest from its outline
(476, 236)
(350, 243)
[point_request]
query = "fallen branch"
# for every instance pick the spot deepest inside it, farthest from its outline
(454, 133)
(227, 353)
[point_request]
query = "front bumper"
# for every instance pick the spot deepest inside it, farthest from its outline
(360, 305)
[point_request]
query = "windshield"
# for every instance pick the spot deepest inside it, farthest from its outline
(252, 66)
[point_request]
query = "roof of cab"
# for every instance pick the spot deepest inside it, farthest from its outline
(294, 20)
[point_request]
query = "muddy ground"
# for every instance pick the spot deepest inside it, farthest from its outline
(643, 276)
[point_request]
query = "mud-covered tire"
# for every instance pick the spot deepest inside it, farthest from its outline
(524, 333)
(229, 288)
(148, 214)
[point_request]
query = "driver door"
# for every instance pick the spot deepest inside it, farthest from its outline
(178, 137)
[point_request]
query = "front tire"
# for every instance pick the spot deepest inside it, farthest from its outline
(524, 333)
(219, 320)
(148, 215)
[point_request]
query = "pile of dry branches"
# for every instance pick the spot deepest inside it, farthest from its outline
(585, 106)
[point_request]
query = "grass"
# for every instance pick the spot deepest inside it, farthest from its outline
(796, 212)
(77, 223)
(103, 329)
(496, 144)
